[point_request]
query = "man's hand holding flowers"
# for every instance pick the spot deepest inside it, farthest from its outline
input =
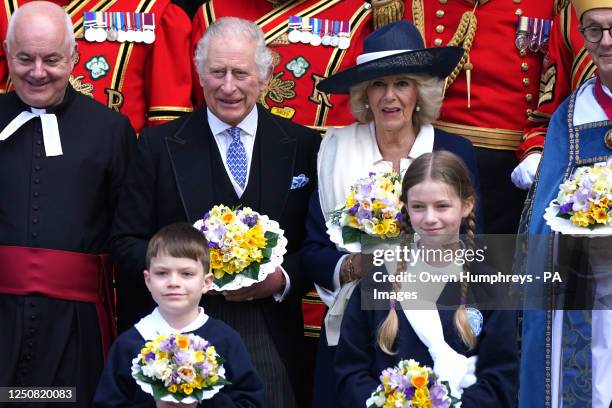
(274, 283)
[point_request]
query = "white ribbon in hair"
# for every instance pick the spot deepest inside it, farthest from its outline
(50, 130)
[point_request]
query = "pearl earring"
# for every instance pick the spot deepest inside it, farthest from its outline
(366, 105)
(418, 108)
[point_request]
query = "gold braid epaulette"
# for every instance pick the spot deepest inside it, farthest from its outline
(386, 12)
(464, 36)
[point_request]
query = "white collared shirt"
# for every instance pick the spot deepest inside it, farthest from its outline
(423, 143)
(248, 129)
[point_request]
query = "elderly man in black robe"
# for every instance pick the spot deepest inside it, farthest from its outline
(62, 161)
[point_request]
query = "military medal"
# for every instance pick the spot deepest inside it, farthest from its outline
(148, 27)
(534, 39)
(138, 34)
(111, 34)
(315, 40)
(344, 38)
(294, 32)
(129, 27)
(544, 34)
(326, 40)
(305, 34)
(99, 31)
(89, 22)
(334, 39)
(522, 32)
(121, 33)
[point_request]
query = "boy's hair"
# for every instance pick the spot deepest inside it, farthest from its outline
(179, 240)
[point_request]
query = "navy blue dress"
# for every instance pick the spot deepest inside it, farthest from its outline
(359, 360)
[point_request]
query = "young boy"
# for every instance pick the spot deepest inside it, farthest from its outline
(177, 276)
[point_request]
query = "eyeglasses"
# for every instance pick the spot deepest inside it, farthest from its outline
(594, 34)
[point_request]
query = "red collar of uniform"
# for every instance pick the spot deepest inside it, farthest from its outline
(603, 99)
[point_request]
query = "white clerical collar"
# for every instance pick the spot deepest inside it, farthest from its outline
(423, 143)
(586, 107)
(50, 129)
(248, 124)
(154, 324)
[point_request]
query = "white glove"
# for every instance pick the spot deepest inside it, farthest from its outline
(457, 369)
(524, 174)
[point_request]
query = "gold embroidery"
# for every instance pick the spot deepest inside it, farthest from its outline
(547, 85)
(115, 99)
(278, 90)
(82, 87)
(317, 96)
(387, 11)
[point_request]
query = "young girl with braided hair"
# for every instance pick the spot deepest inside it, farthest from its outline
(474, 350)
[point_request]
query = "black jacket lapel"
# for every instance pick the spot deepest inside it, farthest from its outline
(278, 150)
(189, 154)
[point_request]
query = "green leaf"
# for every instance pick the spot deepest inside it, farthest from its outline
(224, 280)
(159, 391)
(567, 216)
(251, 271)
(370, 241)
(350, 235)
(271, 239)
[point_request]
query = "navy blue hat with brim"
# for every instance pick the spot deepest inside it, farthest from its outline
(394, 49)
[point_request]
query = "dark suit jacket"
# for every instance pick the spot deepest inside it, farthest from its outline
(171, 180)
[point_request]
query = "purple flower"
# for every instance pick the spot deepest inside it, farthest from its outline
(439, 399)
(251, 220)
(399, 217)
(199, 343)
(409, 392)
(353, 209)
(567, 207)
(181, 358)
(166, 345)
(580, 201)
(363, 214)
(150, 357)
(365, 190)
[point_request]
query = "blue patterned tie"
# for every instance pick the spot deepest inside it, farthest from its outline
(236, 157)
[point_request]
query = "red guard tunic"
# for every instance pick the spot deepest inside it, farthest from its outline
(145, 82)
(568, 65)
(504, 82)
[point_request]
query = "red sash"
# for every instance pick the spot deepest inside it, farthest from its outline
(602, 98)
(62, 275)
